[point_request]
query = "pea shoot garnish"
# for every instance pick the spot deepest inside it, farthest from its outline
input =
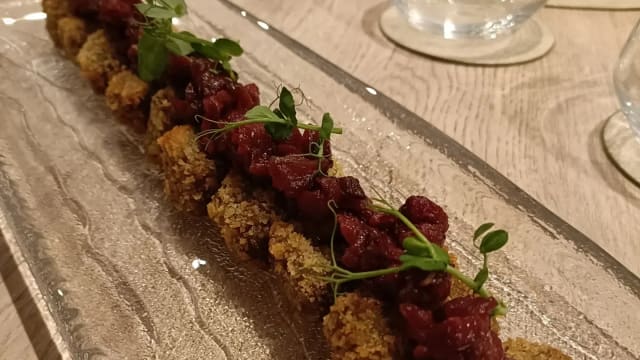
(159, 39)
(420, 253)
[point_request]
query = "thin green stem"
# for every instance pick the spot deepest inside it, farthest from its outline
(482, 291)
(234, 125)
(409, 224)
(331, 205)
(500, 309)
(317, 128)
(374, 273)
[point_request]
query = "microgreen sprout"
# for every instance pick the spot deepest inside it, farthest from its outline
(420, 253)
(279, 123)
(159, 39)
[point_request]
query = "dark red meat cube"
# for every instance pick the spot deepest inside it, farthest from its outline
(435, 233)
(179, 70)
(253, 148)
(469, 305)
(368, 248)
(428, 290)
(116, 11)
(462, 331)
(85, 7)
(246, 97)
(184, 111)
(419, 209)
(488, 348)
(292, 174)
(215, 105)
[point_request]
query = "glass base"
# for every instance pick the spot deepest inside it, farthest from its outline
(622, 146)
(531, 41)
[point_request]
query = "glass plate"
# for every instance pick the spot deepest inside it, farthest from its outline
(125, 276)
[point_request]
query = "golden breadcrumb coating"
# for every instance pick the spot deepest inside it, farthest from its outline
(97, 61)
(244, 215)
(72, 32)
(55, 10)
(356, 329)
(189, 177)
(458, 288)
(159, 119)
(125, 94)
(521, 349)
(300, 263)
(336, 170)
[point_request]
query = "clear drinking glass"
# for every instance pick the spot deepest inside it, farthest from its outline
(626, 79)
(621, 133)
(455, 19)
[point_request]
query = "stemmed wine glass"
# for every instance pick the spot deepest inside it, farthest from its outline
(621, 133)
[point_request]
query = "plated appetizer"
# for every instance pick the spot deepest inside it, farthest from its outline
(380, 276)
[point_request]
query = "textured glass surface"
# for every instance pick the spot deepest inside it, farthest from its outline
(125, 276)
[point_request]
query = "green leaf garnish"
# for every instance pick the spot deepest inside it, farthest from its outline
(422, 263)
(278, 122)
(153, 57)
(494, 241)
(179, 6)
(178, 46)
(481, 230)
(421, 254)
(158, 15)
(228, 47)
(152, 11)
(481, 278)
(327, 126)
(416, 247)
(287, 106)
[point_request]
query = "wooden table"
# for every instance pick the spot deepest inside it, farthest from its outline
(537, 123)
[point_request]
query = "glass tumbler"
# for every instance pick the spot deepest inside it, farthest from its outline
(621, 133)
(468, 19)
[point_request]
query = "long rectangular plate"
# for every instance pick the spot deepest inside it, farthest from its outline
(125, 276)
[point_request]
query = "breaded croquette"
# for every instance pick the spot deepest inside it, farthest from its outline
(244, 215)
(125, 94)
(356, 329)
(72, 32)
(97, 61)
(159, 120)
(55, 10)
(521, 349)
(300, 263)
(189, 177)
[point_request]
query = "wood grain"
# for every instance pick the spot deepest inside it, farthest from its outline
(596, 4)
(537, 123)
(14, 343)
(23, 333)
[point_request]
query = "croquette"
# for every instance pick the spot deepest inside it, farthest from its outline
(97, 61)
(299, 263)
(72, 32)
(189, 177)
(55, 10)
(125, 95)
(159, 120)
(357, 330)
(244, 215)
(521, 349)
